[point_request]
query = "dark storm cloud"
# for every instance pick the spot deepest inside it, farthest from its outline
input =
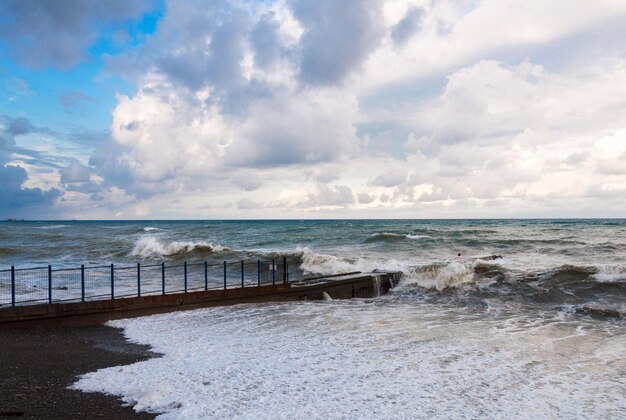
(338, 36)
(408, 25)
(14, 199)
(58, 33)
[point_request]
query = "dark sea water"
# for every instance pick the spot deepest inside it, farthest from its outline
(574, 264)
(539, 332)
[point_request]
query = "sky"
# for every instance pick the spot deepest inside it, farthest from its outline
(157, 109)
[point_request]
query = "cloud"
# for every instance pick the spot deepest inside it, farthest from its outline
(390, 178)
(74, 102)
(247, 204)
(19, 87)
(266, 41)
(514, 28)
(247, 180)
(332, 107)
(17, 200)
(407, 26)
(74, 173)
(308, 127)
(338, 37)
(365, 198)
(58, 33)
(335, 195)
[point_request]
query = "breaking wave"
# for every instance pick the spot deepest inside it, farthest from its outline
(151, 247)
(592, 291)
(151, 229)
(391, 236)
(314, 263)
(611, 274)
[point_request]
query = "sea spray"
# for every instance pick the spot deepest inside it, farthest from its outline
(319, 263)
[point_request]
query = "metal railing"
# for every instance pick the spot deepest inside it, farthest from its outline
(30, 286)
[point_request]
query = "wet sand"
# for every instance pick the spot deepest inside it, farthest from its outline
(38, 364)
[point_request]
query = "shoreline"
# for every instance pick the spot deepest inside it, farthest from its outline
(38, 365)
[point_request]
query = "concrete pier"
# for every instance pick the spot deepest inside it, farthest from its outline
(346, 286)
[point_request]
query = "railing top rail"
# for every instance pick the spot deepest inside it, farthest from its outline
(134, 265)
(99, 267)
(28, 268)
(325, 277)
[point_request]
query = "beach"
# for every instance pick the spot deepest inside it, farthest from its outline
(37, 365)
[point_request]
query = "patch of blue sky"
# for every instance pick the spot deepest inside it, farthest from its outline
(36, 94)
(81, 97)
(127, 35)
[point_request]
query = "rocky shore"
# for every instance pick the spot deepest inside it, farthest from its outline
(38, 364)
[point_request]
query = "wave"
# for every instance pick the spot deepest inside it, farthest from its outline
(151, 229)
(151, 247)
(446, 275)
(480, 279)
(409, 236)
(323, 264)
(392, 236)
(51, 227)
(611, 274)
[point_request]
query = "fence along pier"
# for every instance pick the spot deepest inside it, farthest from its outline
(84, 295)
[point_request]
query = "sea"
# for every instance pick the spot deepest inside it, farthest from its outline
(492, 319)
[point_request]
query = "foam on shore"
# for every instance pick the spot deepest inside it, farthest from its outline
(350, 359)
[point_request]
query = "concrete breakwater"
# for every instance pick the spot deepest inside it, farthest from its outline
(345, 286)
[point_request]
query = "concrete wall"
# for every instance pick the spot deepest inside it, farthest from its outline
(98, 311)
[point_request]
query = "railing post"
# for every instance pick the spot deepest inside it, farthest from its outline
(12, 285)
(138, 280)
(273, 271)
(112, 282)
(206, 276)
(242, 285)
(224, 274)
(82, 282)
(185, 269)
(163, 277)
(284, 269)
(49, 284)
(258, 272)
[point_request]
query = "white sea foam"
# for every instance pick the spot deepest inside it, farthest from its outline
(443, 276)
(352, 359)
(388, 235)
(151, 229)
(392, 235)
(431, 276)
(611, 274)
(409, 236)
(149, 246)
(318, 263)
(52, 227)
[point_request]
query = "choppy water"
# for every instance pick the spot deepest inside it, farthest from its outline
(540, 330)
(562, 265)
